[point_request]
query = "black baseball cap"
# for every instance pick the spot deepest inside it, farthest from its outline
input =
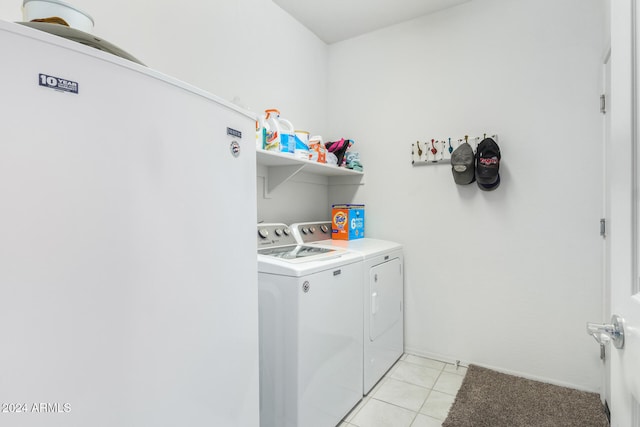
(488, 165)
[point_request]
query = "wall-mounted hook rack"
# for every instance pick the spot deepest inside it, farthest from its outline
(438, 151)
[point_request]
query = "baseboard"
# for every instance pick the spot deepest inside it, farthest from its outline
(435, 356)
(448, 359)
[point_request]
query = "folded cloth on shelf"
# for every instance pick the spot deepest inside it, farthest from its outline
(339, 148)
(353, 161)
(332, 159)
(352, 155)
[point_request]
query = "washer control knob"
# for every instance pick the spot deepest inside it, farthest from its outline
(286, 231)
(263, 232)
(305, 230)
(278, 232)
(312, 230)
(324, 228)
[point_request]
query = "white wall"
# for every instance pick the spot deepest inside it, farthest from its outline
(247, 51)
(304, 198)
(505, 279)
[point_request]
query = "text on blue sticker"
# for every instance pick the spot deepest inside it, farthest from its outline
(58, 83)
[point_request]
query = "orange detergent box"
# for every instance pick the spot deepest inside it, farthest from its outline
(347, 222)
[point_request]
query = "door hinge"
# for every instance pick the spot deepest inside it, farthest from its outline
(603, 104)
(603, 227)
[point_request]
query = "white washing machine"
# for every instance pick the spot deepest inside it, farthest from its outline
(383, 293)
(311, 322)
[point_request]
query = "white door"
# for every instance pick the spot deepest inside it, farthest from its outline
(625, 209)
(385, 287)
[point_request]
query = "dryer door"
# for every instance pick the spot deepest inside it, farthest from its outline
(385, 287)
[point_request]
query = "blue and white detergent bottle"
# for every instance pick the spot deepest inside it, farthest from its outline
(302, 144)
(278, 133)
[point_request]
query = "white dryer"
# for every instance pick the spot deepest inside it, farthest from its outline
(383, 295)
(311, 321)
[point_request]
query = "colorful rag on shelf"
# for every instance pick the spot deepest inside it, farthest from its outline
(344, 157)
(353, 161)
(339, 148)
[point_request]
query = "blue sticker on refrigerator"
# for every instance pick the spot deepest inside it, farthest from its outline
(58, 83)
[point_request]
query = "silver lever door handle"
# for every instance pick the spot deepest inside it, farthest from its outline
(614, 331)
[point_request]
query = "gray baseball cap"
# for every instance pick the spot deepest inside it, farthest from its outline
(463, 164)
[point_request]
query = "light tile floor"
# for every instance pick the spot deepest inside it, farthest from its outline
(416, 392)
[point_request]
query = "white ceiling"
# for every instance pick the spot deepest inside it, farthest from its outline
(337, 20)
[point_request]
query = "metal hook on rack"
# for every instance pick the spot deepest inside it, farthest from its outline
(437, 153)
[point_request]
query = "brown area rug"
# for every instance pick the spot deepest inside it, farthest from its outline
(492, 399)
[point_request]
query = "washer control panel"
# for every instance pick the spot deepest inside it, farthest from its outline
(308, 232)
(274, 234)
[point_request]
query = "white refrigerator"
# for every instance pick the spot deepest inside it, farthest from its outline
(128, 284)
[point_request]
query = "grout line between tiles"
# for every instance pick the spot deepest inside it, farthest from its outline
(348, 419)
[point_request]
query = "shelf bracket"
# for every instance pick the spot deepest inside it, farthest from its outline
(277, 175)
